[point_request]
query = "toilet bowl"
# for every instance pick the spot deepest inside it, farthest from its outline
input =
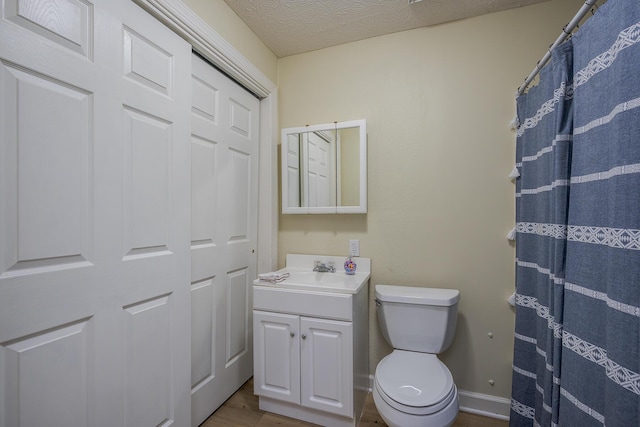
(415, 390)
(412, 387)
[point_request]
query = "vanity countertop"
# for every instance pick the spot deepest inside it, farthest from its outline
(302, 277)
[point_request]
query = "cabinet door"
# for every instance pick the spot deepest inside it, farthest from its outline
(327, 365)
(276, 371)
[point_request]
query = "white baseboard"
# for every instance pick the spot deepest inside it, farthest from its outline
(477, 403)
(484, 404)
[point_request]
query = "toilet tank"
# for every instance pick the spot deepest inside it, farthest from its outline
(417, 319)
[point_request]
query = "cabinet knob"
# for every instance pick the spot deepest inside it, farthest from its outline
(304, 337)
(292, 334)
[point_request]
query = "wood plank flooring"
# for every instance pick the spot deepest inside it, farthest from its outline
(241, 410)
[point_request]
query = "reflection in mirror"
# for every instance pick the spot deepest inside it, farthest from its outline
(324, 168)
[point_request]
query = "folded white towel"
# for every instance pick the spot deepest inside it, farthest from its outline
(273, 277)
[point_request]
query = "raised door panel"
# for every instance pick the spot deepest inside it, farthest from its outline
(147, 64)
(202, 327)
(276, 356)
(147, 160)
(148, 361)
(204, 207)
(238, 318)
(66, 22)
(46, 371)
(46, 216)
(327, 365)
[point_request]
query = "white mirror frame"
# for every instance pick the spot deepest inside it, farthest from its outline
(359, 209)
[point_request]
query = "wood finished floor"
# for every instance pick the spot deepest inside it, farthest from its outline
(241, 410)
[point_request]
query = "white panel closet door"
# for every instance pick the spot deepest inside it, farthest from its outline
(224, 194)
(94, 216)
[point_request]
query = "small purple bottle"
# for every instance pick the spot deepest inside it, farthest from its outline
(350, 266)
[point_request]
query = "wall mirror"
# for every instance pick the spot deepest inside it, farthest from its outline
(324, 168)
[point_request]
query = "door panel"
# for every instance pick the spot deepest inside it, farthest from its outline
(35, 360)
(29, 130)
(277, 361)
(326, 365)
(147, 363)
(201, 331)
(237, 315)
(67, 23)
(94, 216)
(224, 150)
(147, 156)
(146, 63)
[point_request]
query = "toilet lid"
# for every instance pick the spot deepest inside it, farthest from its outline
(413, 379)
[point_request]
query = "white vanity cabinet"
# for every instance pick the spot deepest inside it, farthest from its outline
(311, 357)
(305, 361)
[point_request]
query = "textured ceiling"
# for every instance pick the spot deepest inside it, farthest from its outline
(289, 27)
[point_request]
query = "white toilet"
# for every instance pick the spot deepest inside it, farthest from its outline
(412, 388)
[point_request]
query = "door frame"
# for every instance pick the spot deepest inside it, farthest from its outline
(179, 18)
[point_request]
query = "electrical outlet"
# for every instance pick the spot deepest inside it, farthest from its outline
(354, 247)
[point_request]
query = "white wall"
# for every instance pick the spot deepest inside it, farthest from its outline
(438, 102)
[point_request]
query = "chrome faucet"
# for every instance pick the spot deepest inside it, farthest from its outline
(321, 267)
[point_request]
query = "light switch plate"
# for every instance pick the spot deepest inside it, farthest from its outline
(354, 247)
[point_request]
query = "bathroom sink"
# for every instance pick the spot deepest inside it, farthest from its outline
(301, 275)
(315, 278)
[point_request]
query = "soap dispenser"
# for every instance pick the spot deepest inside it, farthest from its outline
(350, 266)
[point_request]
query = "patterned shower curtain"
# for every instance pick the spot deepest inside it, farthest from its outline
(577, 337)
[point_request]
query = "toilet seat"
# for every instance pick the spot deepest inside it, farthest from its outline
(414, 383)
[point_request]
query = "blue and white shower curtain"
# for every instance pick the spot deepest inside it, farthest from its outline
(577, 337)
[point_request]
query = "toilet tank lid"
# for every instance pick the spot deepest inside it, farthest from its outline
(416, 295)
